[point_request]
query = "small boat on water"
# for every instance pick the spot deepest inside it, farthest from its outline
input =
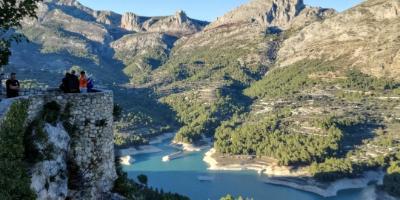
(205, 178)
(126, 160)
(172, 156)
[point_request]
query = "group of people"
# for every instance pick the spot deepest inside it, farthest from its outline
(12, 85)
(71, 83)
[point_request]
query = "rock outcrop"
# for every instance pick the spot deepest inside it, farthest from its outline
(177, 25)
(50, 177)
(132, 22)
(271, 13)
(365, 37)
(81, 162)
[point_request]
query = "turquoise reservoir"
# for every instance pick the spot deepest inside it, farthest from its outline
(181, 176)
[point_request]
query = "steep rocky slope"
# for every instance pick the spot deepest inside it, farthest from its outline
(365, 37)
(228, 55)
(273, 13)
(178, 24)
(245, 41)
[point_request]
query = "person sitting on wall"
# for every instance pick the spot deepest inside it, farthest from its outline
(73, 72)
(70, 83)
(83, 82)
(12, 86)
(64, 83)
(73, 83)
(90, 85)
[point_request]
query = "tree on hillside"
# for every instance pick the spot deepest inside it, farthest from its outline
(11, 14)
(391, 182)
(142, 179)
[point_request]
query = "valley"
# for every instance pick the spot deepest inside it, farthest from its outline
(275, 81)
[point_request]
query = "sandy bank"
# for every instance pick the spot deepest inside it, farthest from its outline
(290, 177)
(126, 160)
(190, 147)
(261, 166)
(146, 149)
(331, 189)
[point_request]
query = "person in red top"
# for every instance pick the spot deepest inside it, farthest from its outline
(83, 82)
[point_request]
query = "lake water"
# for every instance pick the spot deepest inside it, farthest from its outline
(181, 176)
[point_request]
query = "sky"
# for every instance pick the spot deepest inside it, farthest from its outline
(207, 10)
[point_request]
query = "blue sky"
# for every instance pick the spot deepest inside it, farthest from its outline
(198, 9)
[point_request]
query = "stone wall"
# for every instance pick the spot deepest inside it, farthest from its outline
(90, 156)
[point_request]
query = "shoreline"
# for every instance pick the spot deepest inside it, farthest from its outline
(145, 149)
(126, 154)
(294, 178)
(187, 147)
(126, 160)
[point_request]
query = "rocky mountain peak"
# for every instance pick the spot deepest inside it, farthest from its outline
(73, 3)
(180, 16)
(131, 21)
(380, 9)
(263, 12)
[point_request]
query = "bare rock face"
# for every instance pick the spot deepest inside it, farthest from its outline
(134, 44)
(366, 37)
(278, 13)
(131, 22)
(91, 31)
(50, 177)
(178, 24)
(108, 17)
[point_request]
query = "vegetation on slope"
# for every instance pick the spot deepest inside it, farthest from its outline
(142, 117)
(391, 182)
(14, 178)
(337, 121)
(234, 57)
(199, 117)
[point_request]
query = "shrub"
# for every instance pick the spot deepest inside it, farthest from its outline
(391, 181)
(14, 179)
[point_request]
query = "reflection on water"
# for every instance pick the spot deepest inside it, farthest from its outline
(182, 176)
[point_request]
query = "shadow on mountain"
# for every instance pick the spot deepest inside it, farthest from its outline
(28, 59)
(144, 100)
(354, 136)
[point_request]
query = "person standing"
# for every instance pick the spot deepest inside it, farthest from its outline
(12, 86)
(83, 82)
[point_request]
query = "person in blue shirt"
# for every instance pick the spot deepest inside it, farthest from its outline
(90, 85)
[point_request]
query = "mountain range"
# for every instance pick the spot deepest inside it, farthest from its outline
(276, 78)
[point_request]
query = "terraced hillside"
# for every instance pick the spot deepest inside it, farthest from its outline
(300, 85)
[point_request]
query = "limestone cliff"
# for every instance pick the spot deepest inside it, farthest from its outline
(76, 149)
(271, 13)
(177, 25)
(365, 37)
